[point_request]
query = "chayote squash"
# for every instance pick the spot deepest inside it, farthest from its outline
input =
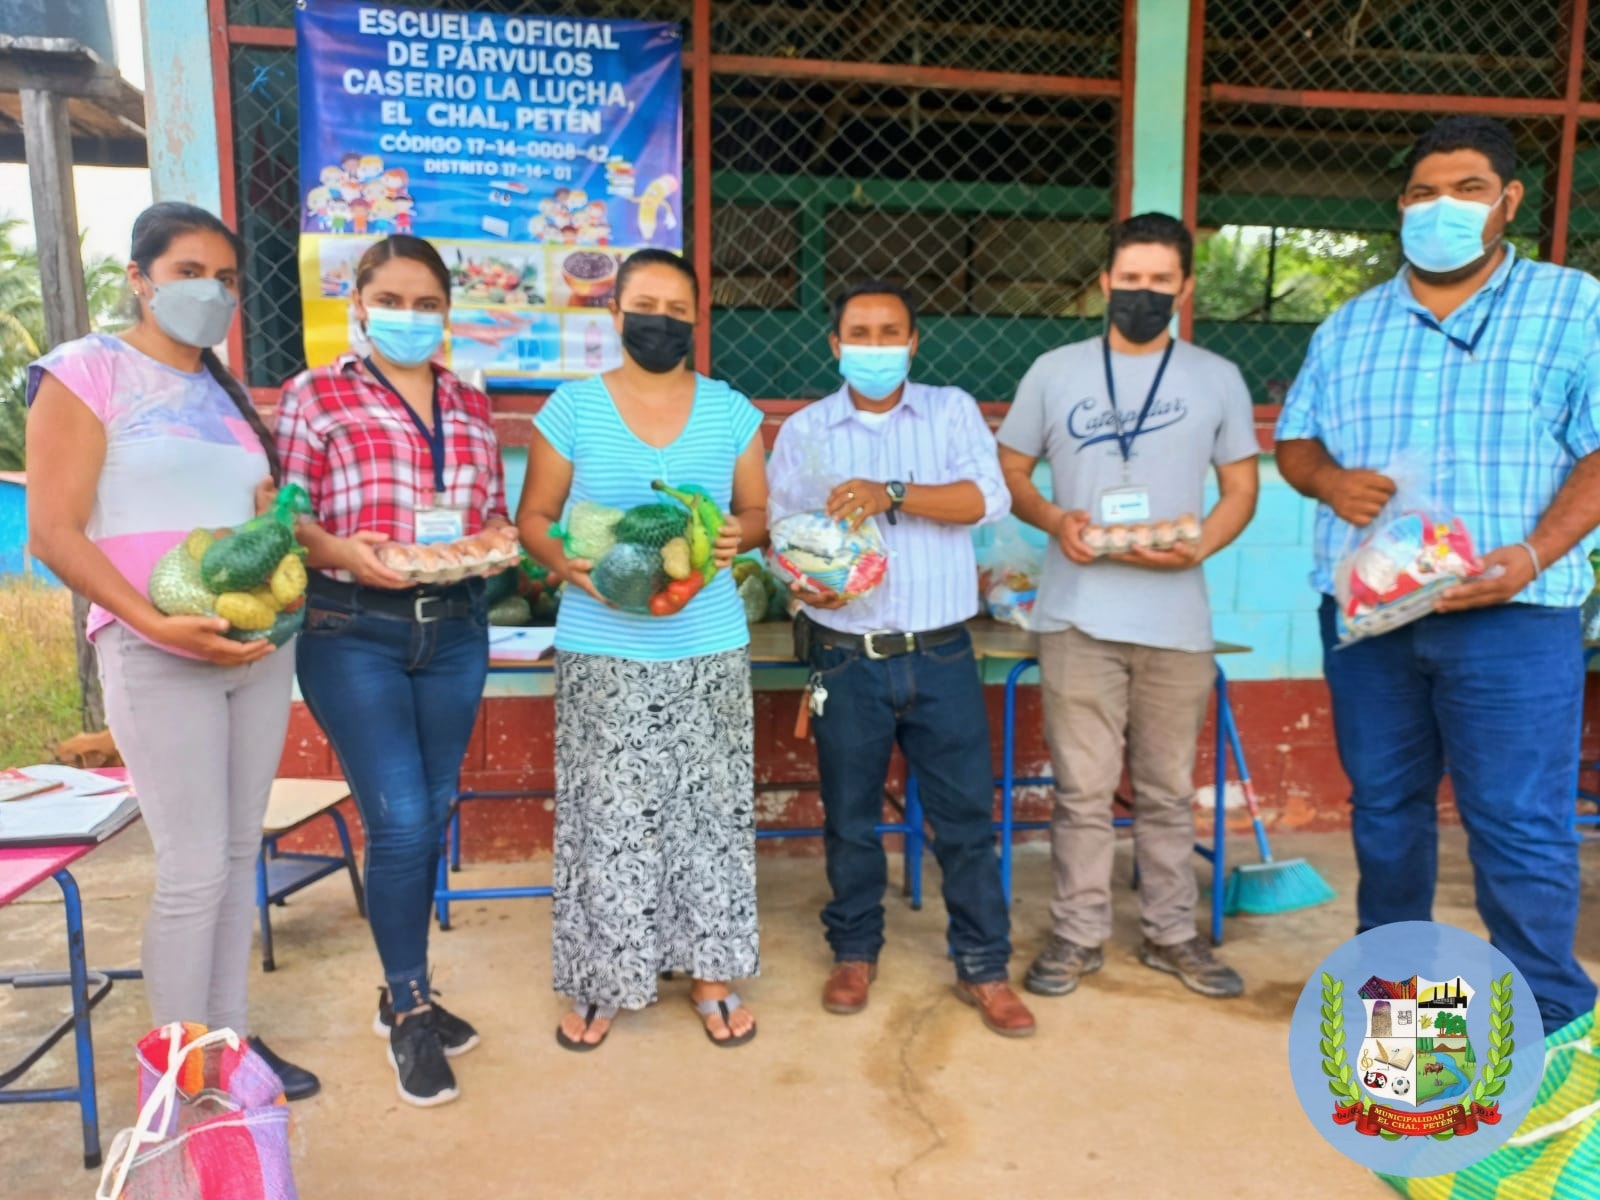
(246, 612)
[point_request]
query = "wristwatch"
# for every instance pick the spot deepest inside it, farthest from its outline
(897, 497)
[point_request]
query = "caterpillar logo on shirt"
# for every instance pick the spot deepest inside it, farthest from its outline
(1092, 422)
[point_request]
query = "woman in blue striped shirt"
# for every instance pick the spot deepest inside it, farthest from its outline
(655, 815)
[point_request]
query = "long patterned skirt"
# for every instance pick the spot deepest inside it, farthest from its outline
(655, 864)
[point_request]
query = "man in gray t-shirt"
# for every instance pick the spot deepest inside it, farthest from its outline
(1131, 424)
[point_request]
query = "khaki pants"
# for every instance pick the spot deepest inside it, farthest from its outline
(1103, 700)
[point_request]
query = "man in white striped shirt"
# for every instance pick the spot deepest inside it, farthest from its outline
(896, 666)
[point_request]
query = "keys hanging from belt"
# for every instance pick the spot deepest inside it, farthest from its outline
(812, 701)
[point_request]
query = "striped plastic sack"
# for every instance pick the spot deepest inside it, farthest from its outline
(1555, 1153)
(212, 1125)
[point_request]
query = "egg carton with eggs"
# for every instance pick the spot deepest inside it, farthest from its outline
(1155, 535)
(485, 554)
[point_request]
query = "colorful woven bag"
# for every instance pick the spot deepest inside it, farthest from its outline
(213, 1124)
(1555, 1153)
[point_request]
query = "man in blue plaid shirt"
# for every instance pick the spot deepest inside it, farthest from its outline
(1480, 370)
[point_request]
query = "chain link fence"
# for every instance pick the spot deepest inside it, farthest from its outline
(1296, 203)
(990, 206)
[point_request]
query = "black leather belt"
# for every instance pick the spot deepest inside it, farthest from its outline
(423, 605)
(884, 644)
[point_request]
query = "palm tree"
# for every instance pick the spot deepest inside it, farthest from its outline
(22, 336)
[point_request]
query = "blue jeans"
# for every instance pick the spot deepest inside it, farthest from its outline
(1496, 695)
(930, 702)
(398, 700)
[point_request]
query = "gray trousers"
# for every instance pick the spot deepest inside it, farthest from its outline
(1106, 703)
(202, 744)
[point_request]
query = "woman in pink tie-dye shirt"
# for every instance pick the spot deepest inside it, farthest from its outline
(133, 441)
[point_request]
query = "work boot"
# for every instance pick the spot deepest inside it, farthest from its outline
(1002, 1009)
(846, 989)
(1058, 969)
(1199, 969)
(298, 1083)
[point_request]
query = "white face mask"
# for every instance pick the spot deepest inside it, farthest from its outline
(196, 312)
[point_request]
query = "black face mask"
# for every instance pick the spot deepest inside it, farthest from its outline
(1140, 316)
(656, 342)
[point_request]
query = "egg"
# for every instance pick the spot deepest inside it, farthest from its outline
(1119, 539)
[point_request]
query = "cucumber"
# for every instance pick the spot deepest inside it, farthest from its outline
(248, 558)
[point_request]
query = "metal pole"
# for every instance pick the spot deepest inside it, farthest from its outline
(47, 145)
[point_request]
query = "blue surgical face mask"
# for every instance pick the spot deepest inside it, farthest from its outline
(1444, 235)
(875, 371)
(405, 337)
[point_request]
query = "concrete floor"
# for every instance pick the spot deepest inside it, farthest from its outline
(1132, 1087)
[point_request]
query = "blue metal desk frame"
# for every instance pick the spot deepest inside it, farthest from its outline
(79, 978)
(1215, 854)
(282, 873)
(910, 825)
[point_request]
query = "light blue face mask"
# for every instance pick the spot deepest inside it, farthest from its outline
(403, 336)
(1444, 235)
(875, 371)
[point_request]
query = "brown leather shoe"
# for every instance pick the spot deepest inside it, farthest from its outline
(846, 989)
(1002, 1009)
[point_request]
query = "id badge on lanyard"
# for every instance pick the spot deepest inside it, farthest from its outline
(435, 523)
(1128, 504)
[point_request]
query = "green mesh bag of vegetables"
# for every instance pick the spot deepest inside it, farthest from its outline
(253, 577)
(652, 525)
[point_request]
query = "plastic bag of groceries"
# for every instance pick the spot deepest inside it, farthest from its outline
(827, 556)
(1394, 569)
(808, 548)
(1009, 576)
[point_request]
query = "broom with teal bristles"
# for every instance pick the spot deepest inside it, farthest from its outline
(1271, 885)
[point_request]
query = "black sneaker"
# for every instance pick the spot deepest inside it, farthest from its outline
(1199, 969)
(424, 1077)
(455, 1035)
(1058, 970)
(298, 1083)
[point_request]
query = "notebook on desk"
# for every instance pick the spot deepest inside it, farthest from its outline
(78, 807)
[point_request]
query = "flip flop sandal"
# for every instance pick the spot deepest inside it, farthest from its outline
(723, 1007)
(590, 1013)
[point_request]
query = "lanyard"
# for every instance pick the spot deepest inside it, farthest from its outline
(1469, 346)
(434, 437)
(1125, 439)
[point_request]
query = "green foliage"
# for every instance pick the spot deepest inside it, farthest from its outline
(1312, 271)
(22, 335)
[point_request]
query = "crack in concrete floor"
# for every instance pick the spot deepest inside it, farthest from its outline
(910, 1083)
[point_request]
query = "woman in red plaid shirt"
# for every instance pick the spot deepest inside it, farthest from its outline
(392, 447)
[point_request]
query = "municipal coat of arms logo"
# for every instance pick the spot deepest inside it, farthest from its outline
(1415, 1072)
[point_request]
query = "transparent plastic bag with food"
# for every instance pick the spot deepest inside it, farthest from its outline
(1009, 576)
(1392, 572)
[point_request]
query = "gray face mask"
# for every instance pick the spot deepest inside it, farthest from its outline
(196, 312)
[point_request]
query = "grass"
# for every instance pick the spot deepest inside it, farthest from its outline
(38, 671)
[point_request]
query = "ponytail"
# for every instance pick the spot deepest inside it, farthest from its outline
(247, 410)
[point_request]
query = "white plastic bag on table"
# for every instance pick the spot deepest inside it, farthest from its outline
(813, 551)
(1010, 576)
(1391, 573)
